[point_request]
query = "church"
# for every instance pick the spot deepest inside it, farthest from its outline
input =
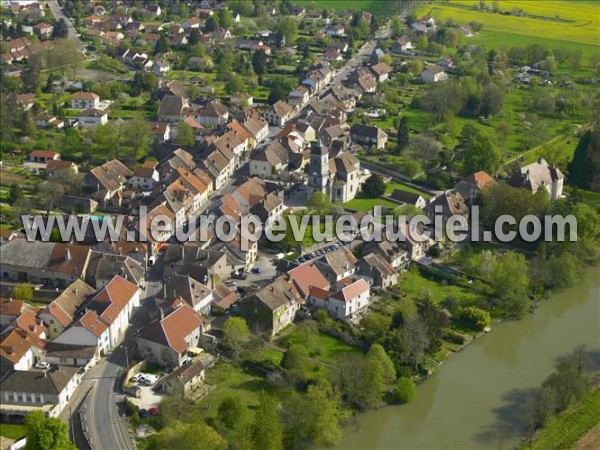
(336, 175)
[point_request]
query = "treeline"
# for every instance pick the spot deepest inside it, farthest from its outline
(567, 385)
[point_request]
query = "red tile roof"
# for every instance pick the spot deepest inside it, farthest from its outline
(307, 276)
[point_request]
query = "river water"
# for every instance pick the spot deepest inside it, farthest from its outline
(469, 402)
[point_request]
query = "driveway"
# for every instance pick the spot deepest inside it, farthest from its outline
(148, 398)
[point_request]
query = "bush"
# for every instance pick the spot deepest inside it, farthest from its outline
(474, 318)
(405, 390)
(454, 337)
(131, 409)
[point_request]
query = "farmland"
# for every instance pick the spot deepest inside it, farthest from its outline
(554, 24)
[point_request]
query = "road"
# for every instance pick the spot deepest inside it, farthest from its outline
(59, 14)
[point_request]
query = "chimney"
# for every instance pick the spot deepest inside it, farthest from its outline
(67, 254)
(75, 291)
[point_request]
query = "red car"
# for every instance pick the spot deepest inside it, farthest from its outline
(153, 411)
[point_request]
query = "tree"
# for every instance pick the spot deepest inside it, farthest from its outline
(479, 151)
(212, 23)
(375, 326)
(259, 62)
(319, 202)
(492, 100)
(15, 193)
(425, 149)
(230, 410)
(60, 29)
(161, 46)
(225, 18)
(288, 29)
(405, 390)
(297, 361)
(359, 382)
(474, 318)
(235, 85)
(415, 67)
(235, 334)
(194, 37)
(191, 436)
(69, 181)
(23, 291)
(46, 433)
(267, 429)
(403, 133)
(136, 133)
(107, 139)
(313, 420)
(584, 169)
(396, 27)
(374, 187)
(48, 195)
(510, 280)
(280, 88)
(377, 355)
(185, 135)
(374, 25)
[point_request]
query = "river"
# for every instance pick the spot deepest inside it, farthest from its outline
(469, 402)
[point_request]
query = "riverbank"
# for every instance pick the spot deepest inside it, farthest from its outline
(576, 427)
(487, 380)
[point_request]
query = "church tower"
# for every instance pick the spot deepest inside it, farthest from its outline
(318, 169)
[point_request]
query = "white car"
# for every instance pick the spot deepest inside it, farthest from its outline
(42, 365)
(149, 379)
(137, 377)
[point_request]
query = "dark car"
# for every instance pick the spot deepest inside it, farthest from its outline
(239, 276)
(143, 413)
(256, 269)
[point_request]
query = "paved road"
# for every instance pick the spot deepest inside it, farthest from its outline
(59, 14)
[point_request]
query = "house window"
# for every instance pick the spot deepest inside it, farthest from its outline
(11, 397)
(38, 398)
(20, 398)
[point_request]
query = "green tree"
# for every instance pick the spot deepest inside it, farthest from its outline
(359, 382)
(185, 135)
(405, 390)
(319, 202)
(23, 291)
(510, 280)
(259, 62)
(211, 24)
(107, 139)
(479, 151)
(161, 46)
(288, 29)
(191, 436)
(403, 133)
(267, 429)
(584, 168)
(235, 335)
(60, 29)
(474, 318)
(46, 433)
(297, 362)
(415, 67)
(15, 193)
(194, 37)
(136, 133)
(377, 355)
(225, 18)
(374, 187)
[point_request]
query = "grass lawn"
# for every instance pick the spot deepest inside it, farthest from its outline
(413, 285)
(228, 380)
(367, 204)
(390, 187)
(565, 429)
(12, 431)
(383, 7)
(269, 354)
(589, 197)
(327, 347)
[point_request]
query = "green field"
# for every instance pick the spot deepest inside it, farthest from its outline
(413, 285)
(565, 429)
(383, 7)
(12, 431)
(555, 24)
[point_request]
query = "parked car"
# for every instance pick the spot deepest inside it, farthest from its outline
(137, 377)
(143, 413)
(134, 391)
(256, 269)
(229, 283)
(153, 411)
(150, 379)
(239, 276)
(42, 365)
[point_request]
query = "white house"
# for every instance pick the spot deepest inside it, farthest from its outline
(145, 177)
(85, 100)
(106, 318)
(343, 303)
(48, 391)
(433, 74)
(92, 118)
(279, 113)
